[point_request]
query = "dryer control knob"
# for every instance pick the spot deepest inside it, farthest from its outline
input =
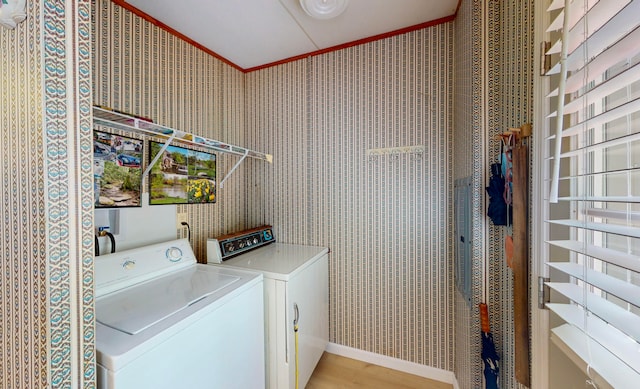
(174, 254)
(129, 264)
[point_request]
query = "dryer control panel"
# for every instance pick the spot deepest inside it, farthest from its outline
(224, 247)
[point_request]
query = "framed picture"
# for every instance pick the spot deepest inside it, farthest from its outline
(181, 176)
(117, 170)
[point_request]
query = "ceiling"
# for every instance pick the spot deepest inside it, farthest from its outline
(254, 33)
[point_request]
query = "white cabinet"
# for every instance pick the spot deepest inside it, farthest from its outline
(309, 292)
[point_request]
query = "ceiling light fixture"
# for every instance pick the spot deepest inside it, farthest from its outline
(12, 13)
(324, 9)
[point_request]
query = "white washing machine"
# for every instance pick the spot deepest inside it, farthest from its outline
(296, 291)
(164, 321)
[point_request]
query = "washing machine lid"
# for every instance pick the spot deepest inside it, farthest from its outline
(138, 307)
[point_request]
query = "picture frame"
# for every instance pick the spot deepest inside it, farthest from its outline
(117, 170)
(181, 176)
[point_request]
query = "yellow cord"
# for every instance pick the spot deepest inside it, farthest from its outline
(295, 329)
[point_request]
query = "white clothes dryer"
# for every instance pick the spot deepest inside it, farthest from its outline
(296, 289)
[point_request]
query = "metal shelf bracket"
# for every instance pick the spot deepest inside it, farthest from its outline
(233, 168)
(157, 157)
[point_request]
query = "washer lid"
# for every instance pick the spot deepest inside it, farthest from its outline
(137, 308)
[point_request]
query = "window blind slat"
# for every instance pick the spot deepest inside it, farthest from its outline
(633, 232)
(602, 145)
(623, 110)
(622, 23)
(604, 199)
(629, 216)
(598, 16)
(607, 336)
(627, 47)
(576, 11)
(600, 174)
(556, 24)
(601, 360)
(608, 87)
(624, 260)
(627, 322)
(621, 289)
(555, 4)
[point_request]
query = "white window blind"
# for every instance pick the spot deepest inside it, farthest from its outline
(593, 227)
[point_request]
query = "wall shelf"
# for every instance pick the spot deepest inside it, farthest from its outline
(113, 119)
(125, 122)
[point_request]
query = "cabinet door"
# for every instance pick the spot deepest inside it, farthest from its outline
(309, 292)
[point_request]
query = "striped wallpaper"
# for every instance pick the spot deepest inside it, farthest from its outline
(23, 266)
(386, 219)
(511, 63)
(470, 162)
(46, 280)
(493, 91)
(276, 116)
(142, 69)
(68, 192)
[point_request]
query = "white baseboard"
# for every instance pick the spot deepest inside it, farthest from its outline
(394, 363)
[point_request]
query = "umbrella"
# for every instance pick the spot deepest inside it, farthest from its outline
(489, 355)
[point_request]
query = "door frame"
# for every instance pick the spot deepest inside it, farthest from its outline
(539, 317)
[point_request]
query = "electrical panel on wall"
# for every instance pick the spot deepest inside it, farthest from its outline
(462, 210)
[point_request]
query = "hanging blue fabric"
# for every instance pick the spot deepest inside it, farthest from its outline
(499, 212)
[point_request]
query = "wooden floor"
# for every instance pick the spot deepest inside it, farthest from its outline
(334, 371)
